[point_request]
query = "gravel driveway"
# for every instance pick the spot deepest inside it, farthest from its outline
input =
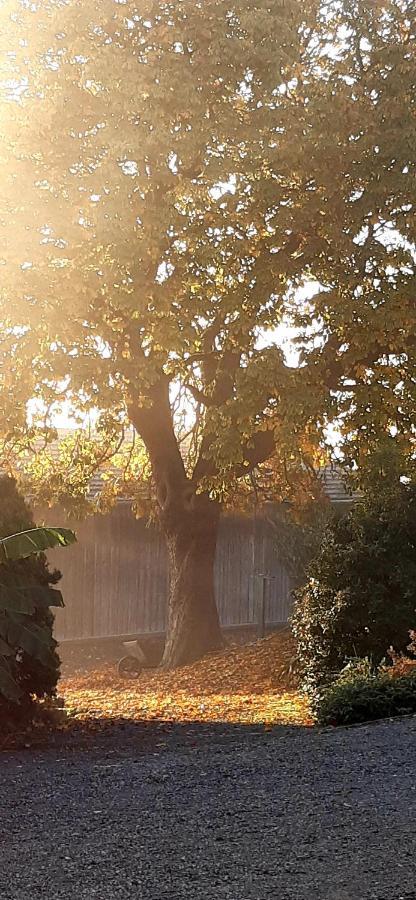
(285, 814)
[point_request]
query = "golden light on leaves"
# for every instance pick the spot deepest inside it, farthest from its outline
(240, 685)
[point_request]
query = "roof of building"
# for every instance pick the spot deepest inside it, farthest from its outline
(335, 485)
(333, 480)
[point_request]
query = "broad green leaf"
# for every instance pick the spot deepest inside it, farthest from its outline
(14, 599)
(8, 686)
(23, 634)
(5, 649)
(43, 596)
(26, 598)
(35, 540)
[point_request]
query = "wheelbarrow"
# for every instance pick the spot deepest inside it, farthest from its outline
(132, 664)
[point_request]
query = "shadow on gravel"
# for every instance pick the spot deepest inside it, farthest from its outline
(147, 736)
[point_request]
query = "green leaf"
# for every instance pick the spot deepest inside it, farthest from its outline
(8, 686)
(5, 649)
(35, 540)
(14, 599)
(43, 595)
(26, 598)
(23, 634)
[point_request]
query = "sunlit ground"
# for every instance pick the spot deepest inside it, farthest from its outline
(240, 685)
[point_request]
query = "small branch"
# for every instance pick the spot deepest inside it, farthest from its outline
(199, 395)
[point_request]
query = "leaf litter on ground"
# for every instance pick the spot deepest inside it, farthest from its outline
(251, 684)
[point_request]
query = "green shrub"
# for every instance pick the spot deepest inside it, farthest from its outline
(366, 697)
(361, 594)
(33, 667)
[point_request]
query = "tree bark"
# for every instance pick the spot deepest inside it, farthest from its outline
(193, 627)
(190, 524)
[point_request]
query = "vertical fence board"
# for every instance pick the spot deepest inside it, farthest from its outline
(115, 579)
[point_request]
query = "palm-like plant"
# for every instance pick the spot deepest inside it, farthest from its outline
(18, 632)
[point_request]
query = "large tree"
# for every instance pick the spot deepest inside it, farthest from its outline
(172, 174)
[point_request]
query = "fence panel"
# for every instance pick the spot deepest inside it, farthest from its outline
(115, 579)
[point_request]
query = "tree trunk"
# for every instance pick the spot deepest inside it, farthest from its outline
(193, 627)
(190, 523)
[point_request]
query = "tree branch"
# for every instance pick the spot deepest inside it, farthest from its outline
(155, 426)
(262, 447)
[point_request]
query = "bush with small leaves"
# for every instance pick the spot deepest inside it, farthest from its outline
(360, 598)
(364, 698)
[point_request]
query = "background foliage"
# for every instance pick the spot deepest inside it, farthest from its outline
(299, 530)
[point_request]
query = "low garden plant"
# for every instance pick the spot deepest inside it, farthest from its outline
(365, 697)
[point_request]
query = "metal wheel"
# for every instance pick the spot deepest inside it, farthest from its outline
(129, 667)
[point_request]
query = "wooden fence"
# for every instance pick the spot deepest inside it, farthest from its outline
(115, 579)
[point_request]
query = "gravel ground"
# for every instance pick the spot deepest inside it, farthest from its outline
(217, 814)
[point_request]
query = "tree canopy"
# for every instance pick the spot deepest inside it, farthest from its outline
(172, 174)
